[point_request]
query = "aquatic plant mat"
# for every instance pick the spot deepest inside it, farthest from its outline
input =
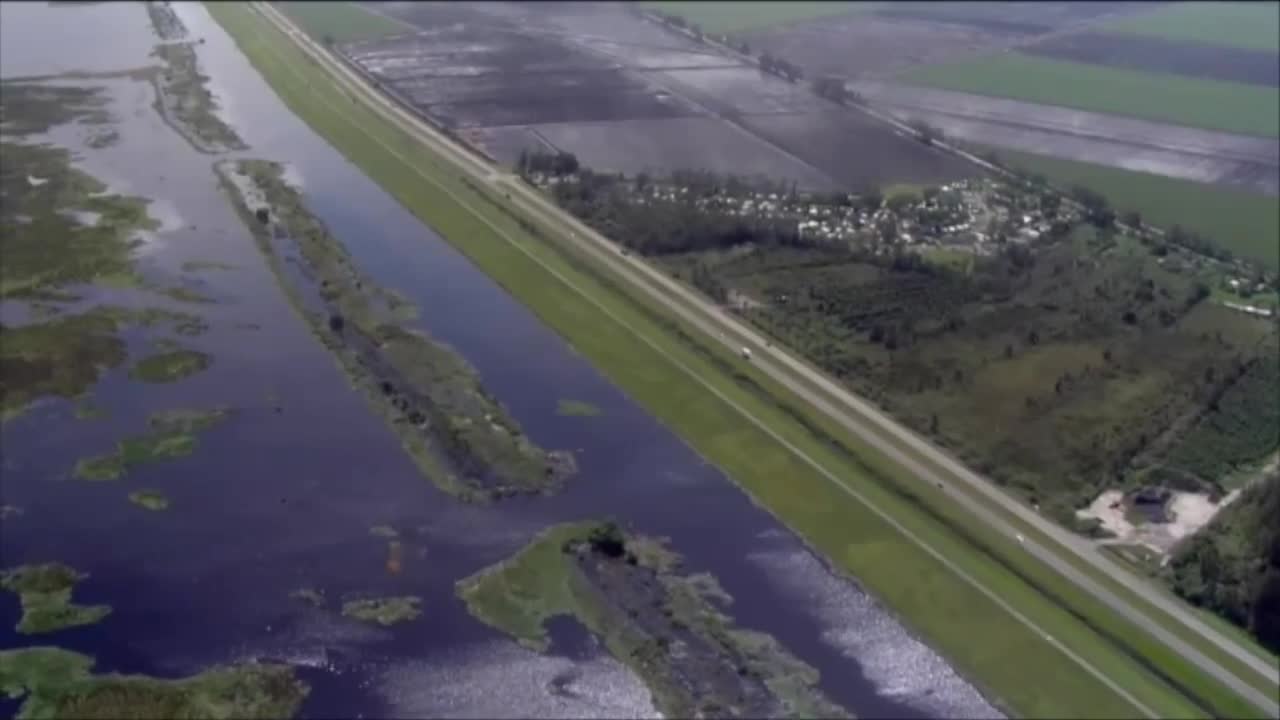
(55, 684)
(459, 435)
(668, 627)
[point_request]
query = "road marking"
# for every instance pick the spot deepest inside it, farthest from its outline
(946, 562)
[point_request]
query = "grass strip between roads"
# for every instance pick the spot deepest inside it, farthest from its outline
(1012, 661)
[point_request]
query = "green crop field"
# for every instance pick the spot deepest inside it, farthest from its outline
(851, 504)
(1210, 104)
(737, 17)
(1249, 25)
(1246, 224)
(343, 22)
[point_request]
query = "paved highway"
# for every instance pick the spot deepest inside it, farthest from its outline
(851, 412)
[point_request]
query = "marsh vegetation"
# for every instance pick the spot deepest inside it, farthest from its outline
(183, 97)
(45, 594)
(171, 434)
(153, 500)
(170, 366)
(669, 627)
(458, 433)
(383, 611)
(54, 684)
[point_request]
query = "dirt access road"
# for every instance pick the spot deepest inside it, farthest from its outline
(851, 412)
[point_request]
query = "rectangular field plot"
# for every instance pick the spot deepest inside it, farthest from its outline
(741, 90)
(661, 146)
(477, 74)
(466, 52)
(1242, 175)
(857, 152)
(533, 108)
(649, 57)
(339, 21)
(866, 44)
(1019, 18)
(1155, 54)
(737, 17)
(1231, 107)
(1251, 25)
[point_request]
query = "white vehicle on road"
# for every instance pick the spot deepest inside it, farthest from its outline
(746, 353)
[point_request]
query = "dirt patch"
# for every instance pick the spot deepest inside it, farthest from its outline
(1161, 55)
(1185, 513)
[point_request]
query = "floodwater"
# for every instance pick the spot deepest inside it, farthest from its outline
(282, 495)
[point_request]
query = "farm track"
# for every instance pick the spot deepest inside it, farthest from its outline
(852, 413)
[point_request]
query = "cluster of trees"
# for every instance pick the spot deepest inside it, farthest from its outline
(925, 132)
(546, 163)
(608, 203)
(1097, 211)
(833, 89)
(1242, 422)
(703, 278)
(1177, 235)
(782, 68)
(1232, 566)
(666, 226)
(672, 19)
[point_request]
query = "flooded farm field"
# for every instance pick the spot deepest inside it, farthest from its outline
(1245, 162)
(295, 530)
(624, 96)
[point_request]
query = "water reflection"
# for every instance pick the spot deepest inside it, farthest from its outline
(41, 39)
(900, 665)
(503, 680)
(283, 496)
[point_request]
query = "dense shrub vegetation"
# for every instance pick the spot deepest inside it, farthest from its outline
(1232, 567)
